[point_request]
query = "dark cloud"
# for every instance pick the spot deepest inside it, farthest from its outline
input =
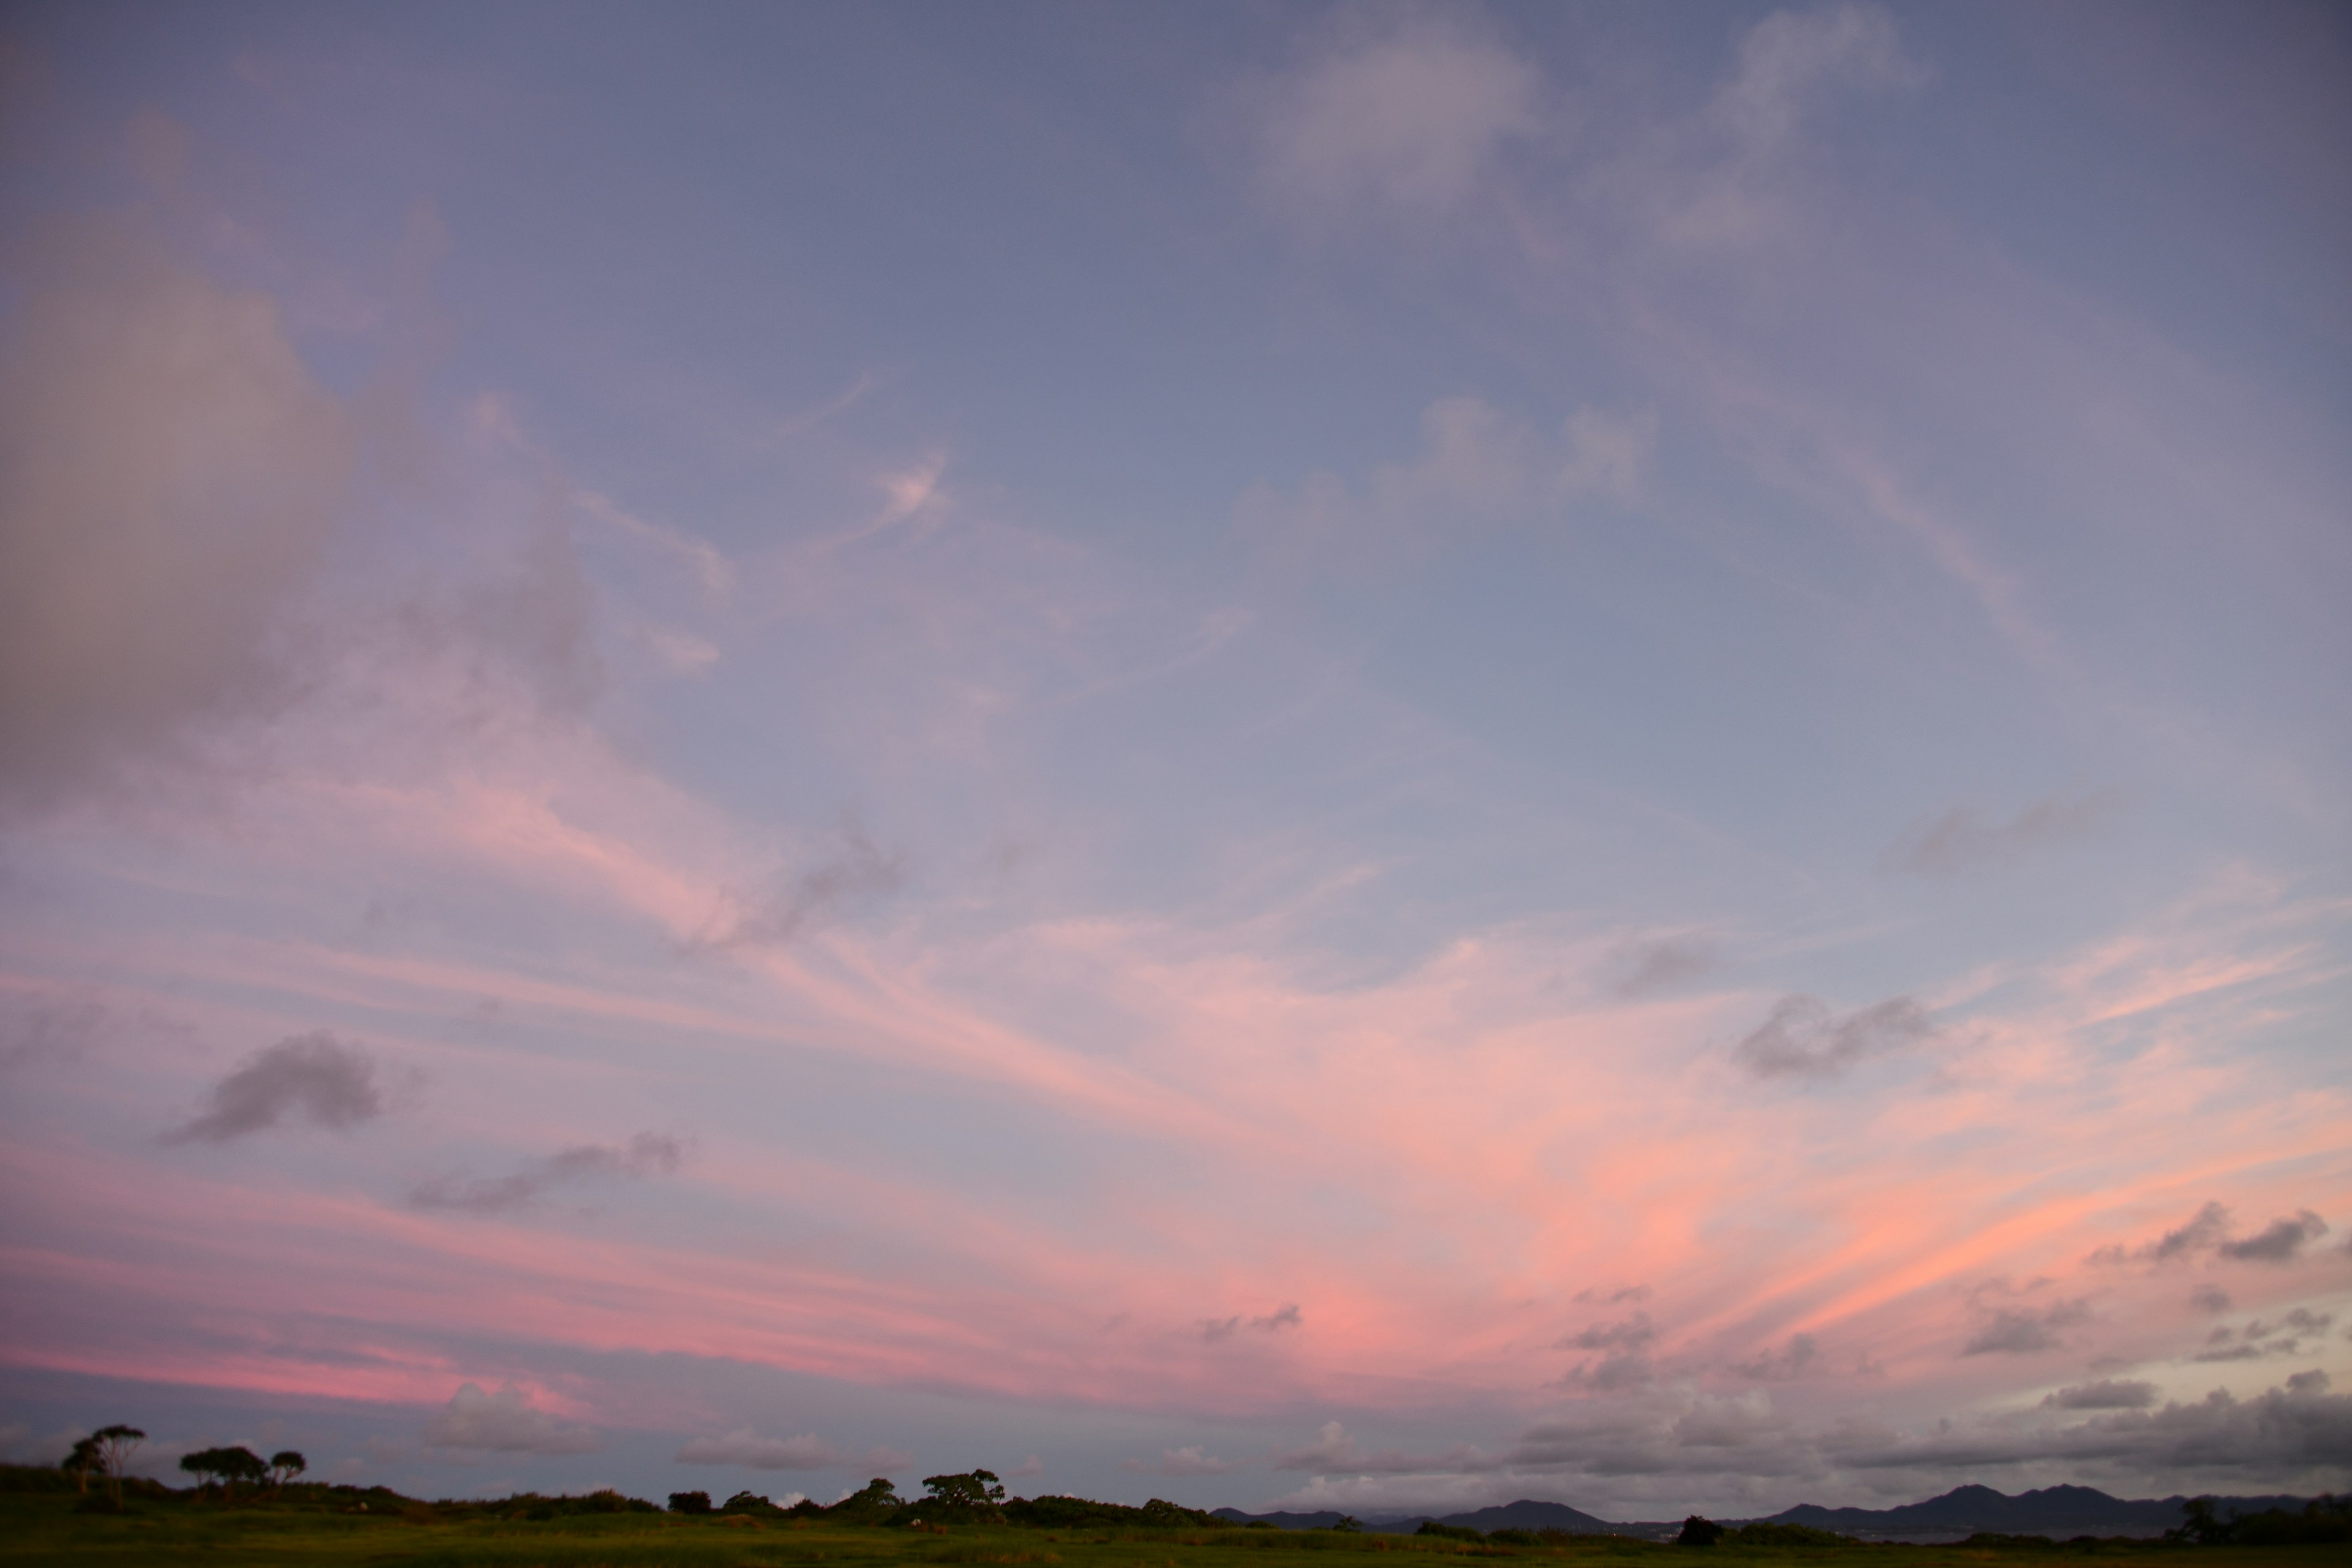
(2206, 1230)
(2257, 1340)
(314, 1074)
(1963, 839)
(2281, 1433)
(1616, 1373)
(2021, 1330)
(1803, 1038)
(2210, 1230)
(505, 1423)
(2278, 1242)
(1287, 1316)
(2210, 1298)
(854, 873)
(1646, 968)
(1601, 1295)
(1629, 1335)
(1793, 1359)
(2298, 1434)
(647, 1155)
(2108, 1393)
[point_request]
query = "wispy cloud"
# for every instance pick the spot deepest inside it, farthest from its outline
(1189, 1460)
(746, 1447)
(1964, 839)
(1402, 114)
(1803, 1038)
(646, 1155)
(851, 873)
(1478, 469)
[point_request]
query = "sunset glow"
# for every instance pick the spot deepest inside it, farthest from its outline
(1374, 756)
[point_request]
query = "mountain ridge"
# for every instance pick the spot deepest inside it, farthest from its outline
(2058, 1512)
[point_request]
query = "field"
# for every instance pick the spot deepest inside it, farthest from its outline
(39, 1529)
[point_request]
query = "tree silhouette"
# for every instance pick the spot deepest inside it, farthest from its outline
(112, 1446)
(80, 1463)
(973, 1491)
(1697, 1531)
(225, 1466)
(285, 1465)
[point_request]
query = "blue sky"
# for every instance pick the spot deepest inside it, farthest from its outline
(1381, 755)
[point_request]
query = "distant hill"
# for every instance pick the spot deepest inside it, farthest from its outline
(1323, 1521)
(2058, 1512)
(2054, 1511)
(1527, 1514)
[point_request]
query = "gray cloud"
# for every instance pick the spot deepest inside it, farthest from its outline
(855, 872)
(2206, 1229)
(1334, 1450)
(1603, 1295)
(2210, 1298)
(746, 1447)
(1189, 1460)
(1287, 1316)
(1615, 1373)
(2257, 1340)
(169, 473)
(2022, 1330)
(2279, 1242)
(2108, 1393)
(2296, 1434)
(47, 1026)
(1803, 1038)
(1646, 968)
(505, 1423)
(647, 1155)
(1962, 839)
(2210, 1230)
(328, 1083)
(1630, 1334)
(1794, 1359)
(2284, 1431)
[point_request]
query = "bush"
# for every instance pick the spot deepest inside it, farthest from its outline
(689, 1502)
(1765, 1533)
(1057, 1512)
(1697, 1531)
(1449, 1531)
(1512, 1536)
(2324, 1521)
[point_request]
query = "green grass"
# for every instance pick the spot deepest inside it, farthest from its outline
(45, 1529)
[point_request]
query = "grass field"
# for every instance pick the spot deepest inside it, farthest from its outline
(38, 1530)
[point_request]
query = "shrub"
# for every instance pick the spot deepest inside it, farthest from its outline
(1449, 1531)
(1697, 1531)
(689, 1502)
(1765, 1533)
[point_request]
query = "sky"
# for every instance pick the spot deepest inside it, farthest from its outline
(1378, 756)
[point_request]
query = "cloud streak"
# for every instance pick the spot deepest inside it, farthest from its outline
(646, 1155)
